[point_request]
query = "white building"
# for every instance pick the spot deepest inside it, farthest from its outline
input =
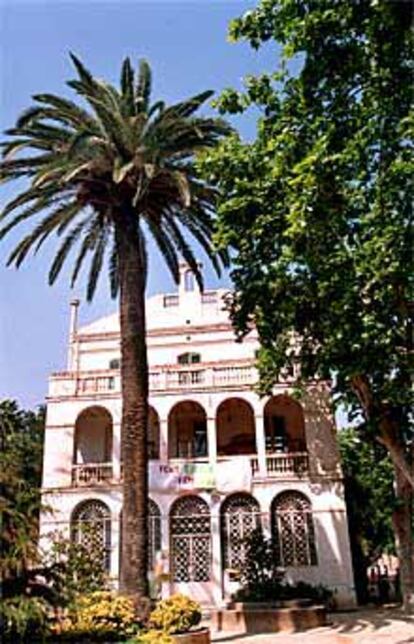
(222, 458)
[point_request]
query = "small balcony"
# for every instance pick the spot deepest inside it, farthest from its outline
(92, 474)
(283, 465)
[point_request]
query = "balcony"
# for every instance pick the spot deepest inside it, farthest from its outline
(92, 474)
(164, 378)
(277, 466)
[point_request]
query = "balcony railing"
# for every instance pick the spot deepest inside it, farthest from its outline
(291, 463)
(168, 378)
(277, 465)
(90, 474)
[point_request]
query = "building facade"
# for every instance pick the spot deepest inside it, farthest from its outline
(222, 460)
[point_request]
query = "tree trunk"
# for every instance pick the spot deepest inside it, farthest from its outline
(389, 436)
(402, 519)
(134, 380)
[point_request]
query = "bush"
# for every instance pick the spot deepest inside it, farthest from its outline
(23, 618)
(177, 614)
(100, 615)
(153, 637)
(261, 578)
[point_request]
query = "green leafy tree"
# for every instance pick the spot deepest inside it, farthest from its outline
(106, 176)
(318, 212)
(21, 438)
(368, 479)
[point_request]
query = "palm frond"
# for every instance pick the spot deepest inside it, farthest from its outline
(127, 88)
(66, 212)
(64, 250)
(143, 89)
(118, 149)
(96, 263)
(166, 248)
(184, 248)
(114, 271)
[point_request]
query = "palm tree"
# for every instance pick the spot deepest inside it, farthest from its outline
(105, 174)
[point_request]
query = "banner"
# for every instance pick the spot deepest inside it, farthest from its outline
(227, 476)
(165, 477)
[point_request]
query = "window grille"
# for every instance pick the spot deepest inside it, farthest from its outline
(240, 516)
(91, 527)
(190, 540)
(154, 532)
(293, 530)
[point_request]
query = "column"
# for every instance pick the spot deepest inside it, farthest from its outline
(116, 451)
(163, 440)
(212, 441)
(260, 443)
(115, 546)
(216, 567)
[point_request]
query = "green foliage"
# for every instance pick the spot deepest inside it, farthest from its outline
(72, 569)
(262, 580)
(21, 437)
(177, 614)
(119, 158)
(100, 616)
(317, 211)
(260, 576)
(23, 619)
(368, 475)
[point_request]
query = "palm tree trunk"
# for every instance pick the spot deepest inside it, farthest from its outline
(134, 381)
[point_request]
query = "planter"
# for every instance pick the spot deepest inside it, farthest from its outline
(268, 618)
(282, 603)
(202, 636)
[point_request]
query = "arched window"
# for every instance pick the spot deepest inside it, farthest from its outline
(235, 428)
(91, 527)
(154, 532)
(240, 515)
(92, 450)
(187, 430)
(284, 425)
(190, 540)
(293, 531)
(115, 363)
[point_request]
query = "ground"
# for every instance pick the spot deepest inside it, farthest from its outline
(369, 626)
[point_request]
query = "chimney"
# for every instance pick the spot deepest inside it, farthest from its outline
(73, 330)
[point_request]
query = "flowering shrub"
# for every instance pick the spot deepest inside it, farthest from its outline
(101, 615)
(177, 614)
(154, 637)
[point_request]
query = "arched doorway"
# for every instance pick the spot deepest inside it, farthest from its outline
(239, 517)
(190, 546)
(153, 434)
(91, 526)
(187, 431)
(284, 425)
(293, 530)
(92, 452)
(235, 428)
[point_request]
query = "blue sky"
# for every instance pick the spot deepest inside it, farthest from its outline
(186, 44)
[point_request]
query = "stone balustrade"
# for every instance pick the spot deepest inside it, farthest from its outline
(188, 377)
(91, 474)
(277, 466)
